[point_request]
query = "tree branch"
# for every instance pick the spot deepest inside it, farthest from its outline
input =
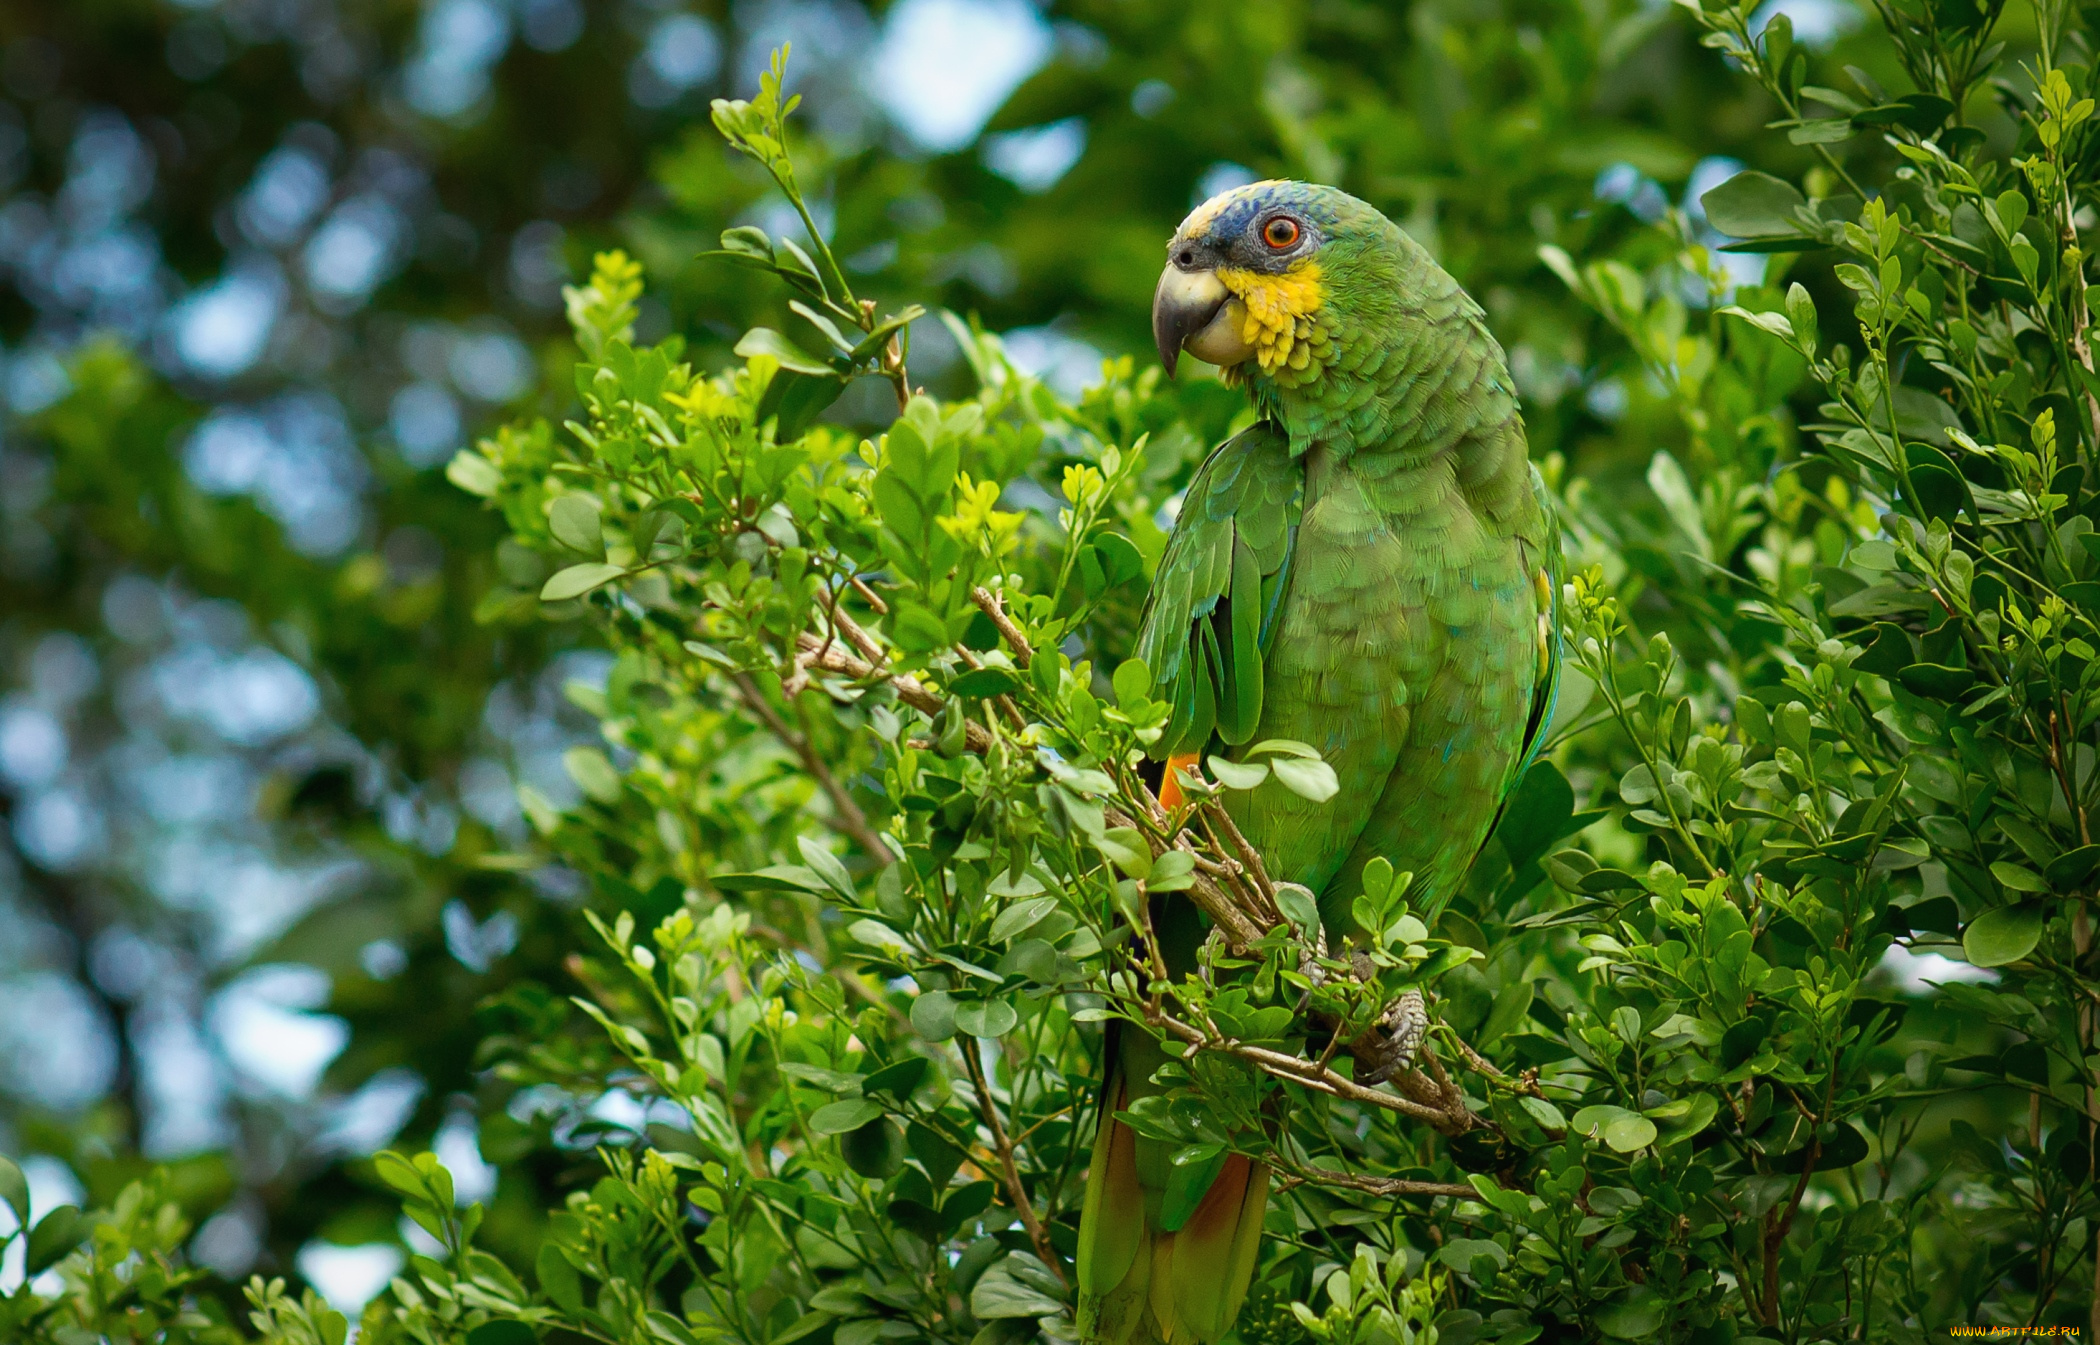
(847, 819)
(1453, 1117)
(988, 603)
(1016, 1193)
(1379, 1186)
(909, 689)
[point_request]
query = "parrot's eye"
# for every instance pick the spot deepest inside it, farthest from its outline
(1280, 233)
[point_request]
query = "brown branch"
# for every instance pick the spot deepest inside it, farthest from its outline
(1003, 703)
(848, 819)
(869, 648)
(1379, 1186)
(1481, 1065)
(909, 689)
(1016, 1194)
(868, 595)
(1249, 856)
(1241, 928)
(988, 603)
(1252, 869)
(1453, 1118)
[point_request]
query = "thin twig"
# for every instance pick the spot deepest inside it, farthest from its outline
(1016, 1194)
(847, 818)
(1241, 928)
(988, 603)
(1454, 1118)
(1379, 1186)
(869, 648)
(868, 595)
(1249, 856)
(909, 689)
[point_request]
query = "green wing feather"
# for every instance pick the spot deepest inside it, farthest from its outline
(1211, 616)
(1545, 694)
(1551, 564)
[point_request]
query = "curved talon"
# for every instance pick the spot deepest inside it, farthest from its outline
(1405, 1023)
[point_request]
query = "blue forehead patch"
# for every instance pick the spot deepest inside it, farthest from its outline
(1237, 213)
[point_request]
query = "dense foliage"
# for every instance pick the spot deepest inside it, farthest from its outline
(867, 845)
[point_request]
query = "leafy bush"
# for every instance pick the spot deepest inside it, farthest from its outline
(872, 846)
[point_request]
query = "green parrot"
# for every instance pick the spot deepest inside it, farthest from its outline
(1371, 569)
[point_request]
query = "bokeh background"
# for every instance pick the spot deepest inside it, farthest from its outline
(266, 264)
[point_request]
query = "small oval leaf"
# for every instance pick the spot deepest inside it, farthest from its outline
(578, 580)
(2004, 935)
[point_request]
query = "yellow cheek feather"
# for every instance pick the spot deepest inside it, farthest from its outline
(1284, 322)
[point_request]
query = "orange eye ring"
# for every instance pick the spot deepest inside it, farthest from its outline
(1280, 233)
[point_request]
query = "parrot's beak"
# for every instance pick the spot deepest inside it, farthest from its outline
(1193, 311)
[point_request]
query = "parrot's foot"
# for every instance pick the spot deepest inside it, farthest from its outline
(1404, 1023)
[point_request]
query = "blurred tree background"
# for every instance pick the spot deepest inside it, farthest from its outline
(265, 265)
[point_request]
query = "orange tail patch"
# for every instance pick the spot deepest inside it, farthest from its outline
(1170, 795)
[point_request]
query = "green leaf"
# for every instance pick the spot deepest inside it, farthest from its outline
(1120, 561)
(826, 866)
(473, 473)
(1461, 1253)
(397, 1172)
(899, 1080)
(836, 1118)
(1001, 1293)
(772, 878)
(1823, 131)
(578, 580)
(2017, 877)
(1537, 813)
(1174, 871)
(593, 774)
(917, 630)
(1237, 774)
(1314, 780)
(2004, 935)
(1132, 682)
(748, 241)
(765, 341)
(933, 1015)
(1936, 492)
(1629, 1132)
(56, 1235)
(502, 1332)
(1298, 907)
(1021, 917)
(875, 934)
(14, 1189)
(986, 1018)
(794, 400)
(558, 1279)
(1638, 1316)
(575, 522)
(1127, 849)
(980, 683)
(2072, 868)
(1753, 205)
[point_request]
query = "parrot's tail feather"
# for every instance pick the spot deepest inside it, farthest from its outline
(1214, 1252)
(1141, 1285)
(1112, 1221)
(1170, 795)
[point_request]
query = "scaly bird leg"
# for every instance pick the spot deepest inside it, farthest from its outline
(1405, 1022)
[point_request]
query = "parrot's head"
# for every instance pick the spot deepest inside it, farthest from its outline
(1265, 273)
